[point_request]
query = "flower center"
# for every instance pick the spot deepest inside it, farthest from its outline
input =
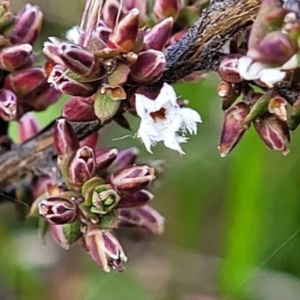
(158, 115)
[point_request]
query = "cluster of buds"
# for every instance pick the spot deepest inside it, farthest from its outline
(24, 86)
(271, 57)
(101, 190)
(114, 52)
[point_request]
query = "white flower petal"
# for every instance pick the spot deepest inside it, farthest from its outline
(271, 76)
(167, 94)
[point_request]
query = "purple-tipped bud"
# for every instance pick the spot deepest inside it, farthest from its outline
(159, 35)
(110, 11)
(79, 109)
(138, 198)
(149, 66)
(124, 159)
(276, 48)
(80, 61)
(58, 210)
(233, 127)
(90, 141)
(65, 139)
(69, 86)
(132, 178)
(145, 218)
(104, 158)
(273, 132)
(105, 249)
(125, 32)
(277, 106)
(28, 127)
(228, 69)
(8, 105)
(67, 234)
(28, 25)
(52, 51)
(81, 166)
(15, 57)
(25, 81)
(163, 9)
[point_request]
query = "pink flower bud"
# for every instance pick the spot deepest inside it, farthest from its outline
(65, 139)
(124, 159)
(105, 249)
(233, 127)
(111, 9)
(145, 218)
(90, 141)
(79, 109)
(58, 210)
(125, 32)
(138, 198)
(8, 105)
(67, 234)
(69, 86)
(158, 36)
(80, 61)
(25, 81)
(276, 48)
(163, 9)
(28, 127)
(149, 66)
(228, 69)
(104, 158)
(132, 178)
(81, 166)
(273, 132)
(28, 25)
(15, 57)
(52, 51)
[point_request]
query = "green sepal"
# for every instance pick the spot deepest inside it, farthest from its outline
(104, 106)
(109, 221)
(72, 231)
(88, 188)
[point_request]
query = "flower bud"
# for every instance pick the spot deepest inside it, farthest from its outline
(6, 16)
(79, 109)
(104, 198)
(110, 11)
(158, 35)
(132, 178)
(25, 81)
(80, 60)
(273, 132)
(145, 218)
(277, 106)
(104, 158)
(28, 25)
(125, 32)
(224, 89)
(52, 51)
(81, 166)
(90, 141)
(8, 105)
(124, 159)
(233, 127)
(15, 57)
(28, 127)
(163, 9)
(228, 68)
(275, 49)
(69, 86)
(66, 234)
(58, 210)
(149, 66)
(105, 249)
(138, 198)
(65, 139)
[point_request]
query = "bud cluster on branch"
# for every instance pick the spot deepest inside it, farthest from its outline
(122, 58)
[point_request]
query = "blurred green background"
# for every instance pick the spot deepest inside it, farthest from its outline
(232, 225)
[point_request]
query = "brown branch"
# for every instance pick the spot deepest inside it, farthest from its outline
(199, 50)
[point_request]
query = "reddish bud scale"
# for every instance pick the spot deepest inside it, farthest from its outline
(233, 127)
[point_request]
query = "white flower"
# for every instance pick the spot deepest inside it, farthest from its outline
(251, 70)
(163, 120)
(73, 35)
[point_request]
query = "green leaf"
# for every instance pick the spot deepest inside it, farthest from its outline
(105, 107)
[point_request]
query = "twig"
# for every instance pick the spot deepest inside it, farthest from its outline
(199, 50)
